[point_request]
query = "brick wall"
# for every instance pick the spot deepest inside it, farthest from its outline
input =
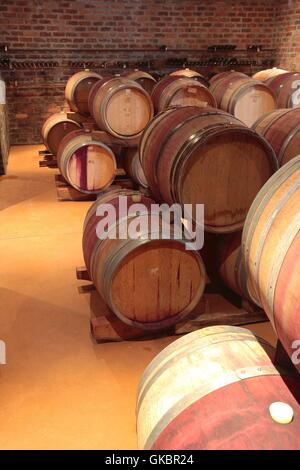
(111, 29)
(287, 35)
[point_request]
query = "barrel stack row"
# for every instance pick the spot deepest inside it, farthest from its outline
(190, 153)
(123, 106)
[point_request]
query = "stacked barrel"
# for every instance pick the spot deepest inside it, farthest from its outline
(150, 281)
(218, 388)
(119, 106)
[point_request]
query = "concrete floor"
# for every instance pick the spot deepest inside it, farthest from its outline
(58, 389)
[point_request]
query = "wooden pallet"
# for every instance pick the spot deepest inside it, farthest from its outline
(218, 306)
(66, 192)
(48, 159)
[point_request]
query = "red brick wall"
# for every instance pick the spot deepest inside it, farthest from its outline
(62, 29)
(287, 37)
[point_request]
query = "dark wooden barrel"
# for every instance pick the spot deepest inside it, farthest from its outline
(286, 87)
(120, 106)
(264, 75)
(188, 73)
(185, 92)
(281, 128)
(78, 88)
(143, 78)
(87, 164)
(212, 390)
(148, 283)
(133, 167)
(206, 156)
(229, 262)
(159, 88)
(271, 252)
(220, 85)
(55, 128)
(248, 100)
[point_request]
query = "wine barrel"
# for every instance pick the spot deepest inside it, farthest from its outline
(271, 252)
(228, 74)
(248, 100)
(211, 390)
(87, 164)
(268, 73)
(218, 87)
(147, 281)
(281, 128)
(230, 264)
(120, 106)
(188, 73)
(133, 166)
(185, 92)
(159, 88)
(78, 88)
(143, 78)
(55, 128)
(286, 87)
(206, 156)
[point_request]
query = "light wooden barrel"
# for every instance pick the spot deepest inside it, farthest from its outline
(78, 88)
(133, 166)
(286, 87)
(121, 107)
(229, 73)
(148, 283)
(87, 164)
(219, 86)
(55, 128)
(271, 252)
(206, 156)
(281, 128)
(191, 74)
(211, 390)
(268, 73)
(143, 78)
(185, 92)
(248, 100)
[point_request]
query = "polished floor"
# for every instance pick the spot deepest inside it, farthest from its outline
(58, 389)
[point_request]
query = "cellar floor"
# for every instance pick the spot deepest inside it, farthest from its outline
(58, 389)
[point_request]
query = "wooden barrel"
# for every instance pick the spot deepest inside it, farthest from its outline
(78, 88)
(159, 88)
(55, 128)
(281, 128)
(133, 167)
(268, 73)
(286, 87)
(248, 100)
(206, 156)
(271, 251)
(191, 74)
(185, 92)
(87, 164)
(230, 264)
(121, 107)
(211, 390)
(218, 87)
(229, 73)
(148, 282)
(143, 78)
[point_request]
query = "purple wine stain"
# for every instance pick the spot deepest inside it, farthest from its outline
(81, 156)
